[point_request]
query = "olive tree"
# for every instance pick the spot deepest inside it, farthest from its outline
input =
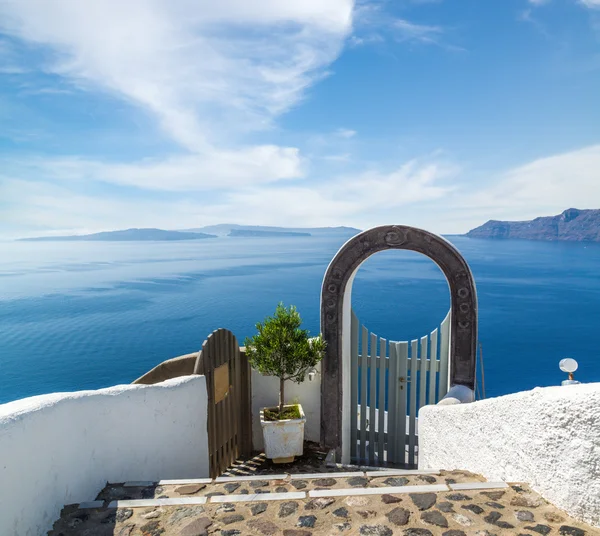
(282, 349)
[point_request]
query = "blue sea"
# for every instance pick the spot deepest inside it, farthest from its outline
(85, 315)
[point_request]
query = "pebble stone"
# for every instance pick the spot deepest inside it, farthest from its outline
(375, 530)
(553, 517)
(198, 527)
(319, 503)
(281, 489)
(390, 499)
(233, 518)
(258, 508)
(296, 532)
(427, 478)
(263, 526)
(493, 518)
(287, 508)
(366, 513)
(230, 532)
(496, 505)
(225, 508)
(342, 527)
(190, 489)
(126, 530)
(446, 507)
(417, 532)
(151, 515)
(396, 481)
(341, 512)
(152, 528)
(123, 514)
(307, 521)
(423, 501)
(184, 511)
(473, 508)
(494, 495)
(356, 501)
(433, 517)
(398, 516)
(458, 497)
(299, 484)
(358, 481)
(325, 482)
(462, 520)
(454, 532)
(258, 483)
(540, 529)
(524, 515)
(230, 487)
(567, 530)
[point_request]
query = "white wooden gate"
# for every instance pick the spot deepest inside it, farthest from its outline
(390, 382)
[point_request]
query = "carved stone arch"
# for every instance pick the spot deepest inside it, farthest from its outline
(335, 318)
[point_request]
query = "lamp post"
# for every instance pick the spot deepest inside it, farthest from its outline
(569, 366)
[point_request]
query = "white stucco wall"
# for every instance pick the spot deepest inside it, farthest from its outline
(62, 448)
(548, 437)
(265, 393)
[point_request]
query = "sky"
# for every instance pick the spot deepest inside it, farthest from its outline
(183, 113)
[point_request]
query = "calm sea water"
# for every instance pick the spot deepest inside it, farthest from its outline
(88, 315)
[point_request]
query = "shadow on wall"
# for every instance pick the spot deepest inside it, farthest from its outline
(265, 393)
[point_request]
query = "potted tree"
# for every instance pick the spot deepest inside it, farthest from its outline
(282, 349)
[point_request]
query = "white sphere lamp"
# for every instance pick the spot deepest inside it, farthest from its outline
(569, 366)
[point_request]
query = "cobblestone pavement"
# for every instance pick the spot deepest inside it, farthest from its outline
(515, 510)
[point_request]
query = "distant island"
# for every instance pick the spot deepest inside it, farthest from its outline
(255, 233)
(572, 225)
(226, 229)
(127, 235)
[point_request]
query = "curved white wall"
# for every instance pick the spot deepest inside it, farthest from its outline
(62, 448)
(548, 437)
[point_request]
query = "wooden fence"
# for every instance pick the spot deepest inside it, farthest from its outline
(229, 406)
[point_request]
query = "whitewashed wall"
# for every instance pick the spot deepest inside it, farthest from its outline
(548, 437)
(265, 393)
(62, 448)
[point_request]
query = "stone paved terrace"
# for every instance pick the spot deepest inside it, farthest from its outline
(371, 503)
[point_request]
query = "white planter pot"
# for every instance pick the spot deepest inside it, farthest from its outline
(283, 439)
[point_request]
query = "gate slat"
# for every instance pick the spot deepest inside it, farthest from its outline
(433, 365)
(444, 354)
(423, 373)
(354, 386)
(413, 401)
(381, 404)
(372, 395)
(401, 401)
(363, 391)
(392, 424)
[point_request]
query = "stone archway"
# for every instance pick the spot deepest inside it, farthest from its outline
(335, 318)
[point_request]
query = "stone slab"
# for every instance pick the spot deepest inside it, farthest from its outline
(309, 476)
(378, 491)
(181, 481)
(477, 485)
(401, 472)
(256, 497)
(139, 483)
(143, 503)
(242, 478)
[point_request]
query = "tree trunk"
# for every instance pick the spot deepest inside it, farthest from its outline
(281, 396)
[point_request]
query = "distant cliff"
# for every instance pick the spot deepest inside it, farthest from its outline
(254, 233)
(572, 225)
(131, 235)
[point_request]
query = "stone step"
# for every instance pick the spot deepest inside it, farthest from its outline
(411, 509)
(282, 487)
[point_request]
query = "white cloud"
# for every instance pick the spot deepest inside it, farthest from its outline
(213, 170)
(594, 4)
(203, 68)
(371, 196)
(420, 33)
(346, 133)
